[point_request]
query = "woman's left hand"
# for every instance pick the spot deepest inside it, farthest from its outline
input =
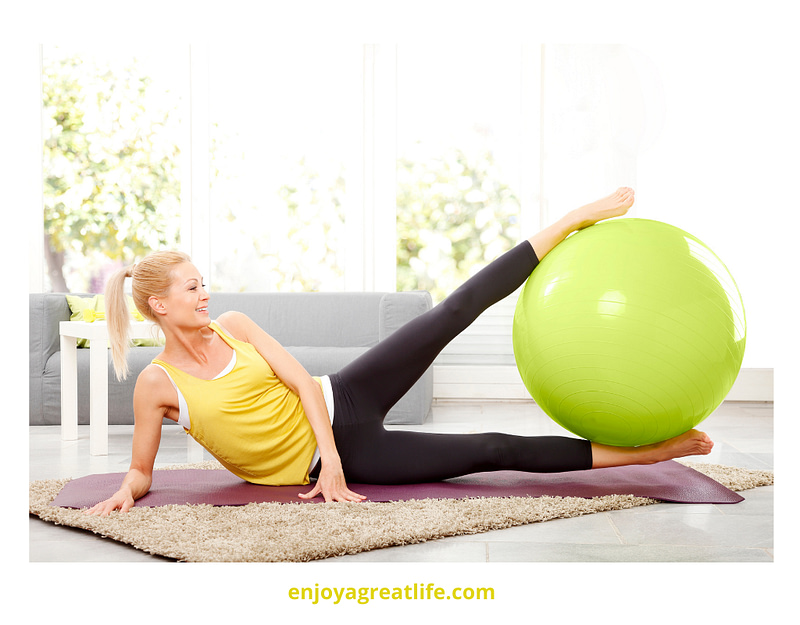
(331, 484)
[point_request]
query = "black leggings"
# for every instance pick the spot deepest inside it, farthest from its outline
(368, 387)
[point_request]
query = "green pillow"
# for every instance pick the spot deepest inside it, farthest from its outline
(77, 305)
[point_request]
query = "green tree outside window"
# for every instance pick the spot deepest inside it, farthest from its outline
(111, 166)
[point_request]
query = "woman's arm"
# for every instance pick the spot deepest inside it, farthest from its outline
(331, 482)
(149, 408)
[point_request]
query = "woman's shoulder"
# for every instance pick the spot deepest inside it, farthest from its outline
(155, 387)
(231, 316)
(234, 324)
(152, 377)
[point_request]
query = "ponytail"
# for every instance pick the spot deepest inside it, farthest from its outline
(118, 318)
(152, 277)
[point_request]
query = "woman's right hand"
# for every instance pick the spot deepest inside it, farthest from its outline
(151, 398)
(121, 500)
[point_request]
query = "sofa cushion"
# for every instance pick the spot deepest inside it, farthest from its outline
(312, 319)
(325, 361)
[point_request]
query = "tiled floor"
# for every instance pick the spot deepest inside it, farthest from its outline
(743, 435)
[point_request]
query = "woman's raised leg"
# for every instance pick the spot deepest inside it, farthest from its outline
(376, 380)
(379, 378)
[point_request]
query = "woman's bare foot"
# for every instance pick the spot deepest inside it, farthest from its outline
(614, 205)
(691, 443)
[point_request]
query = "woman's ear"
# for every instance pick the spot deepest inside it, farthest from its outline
(156, 305)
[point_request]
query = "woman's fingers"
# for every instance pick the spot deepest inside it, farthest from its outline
(355, 496)
(310, 494)
(98, 510)
(104, 508)
(332, 495)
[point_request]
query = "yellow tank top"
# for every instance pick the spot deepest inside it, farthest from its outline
(248, 419)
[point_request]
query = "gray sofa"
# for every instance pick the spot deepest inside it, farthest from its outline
(324, 331)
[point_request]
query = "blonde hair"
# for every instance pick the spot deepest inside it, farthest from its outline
(152, 277)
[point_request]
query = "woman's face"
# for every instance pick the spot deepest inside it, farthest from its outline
(187, 300)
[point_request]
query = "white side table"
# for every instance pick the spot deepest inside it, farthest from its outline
(97, 333)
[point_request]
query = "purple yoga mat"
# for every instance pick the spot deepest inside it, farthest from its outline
(667, 481)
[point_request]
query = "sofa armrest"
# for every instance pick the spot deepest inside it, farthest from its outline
(46, 311)
(36, 333)
(397, 309)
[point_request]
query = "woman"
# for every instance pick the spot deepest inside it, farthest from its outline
(248, 401)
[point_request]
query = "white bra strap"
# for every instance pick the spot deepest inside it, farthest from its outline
(183, 408)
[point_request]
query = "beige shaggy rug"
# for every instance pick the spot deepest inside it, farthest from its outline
(274, 532)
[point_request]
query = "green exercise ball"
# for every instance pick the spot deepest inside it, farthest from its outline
(629, 332)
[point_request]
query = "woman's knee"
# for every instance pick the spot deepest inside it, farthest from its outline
(459, 308)
(499, 451)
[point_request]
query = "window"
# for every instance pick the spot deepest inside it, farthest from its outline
(459, 132)
(311, 167)
(111, 161)
(285, 128)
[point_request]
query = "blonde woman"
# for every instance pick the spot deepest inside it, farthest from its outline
(255, 408)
